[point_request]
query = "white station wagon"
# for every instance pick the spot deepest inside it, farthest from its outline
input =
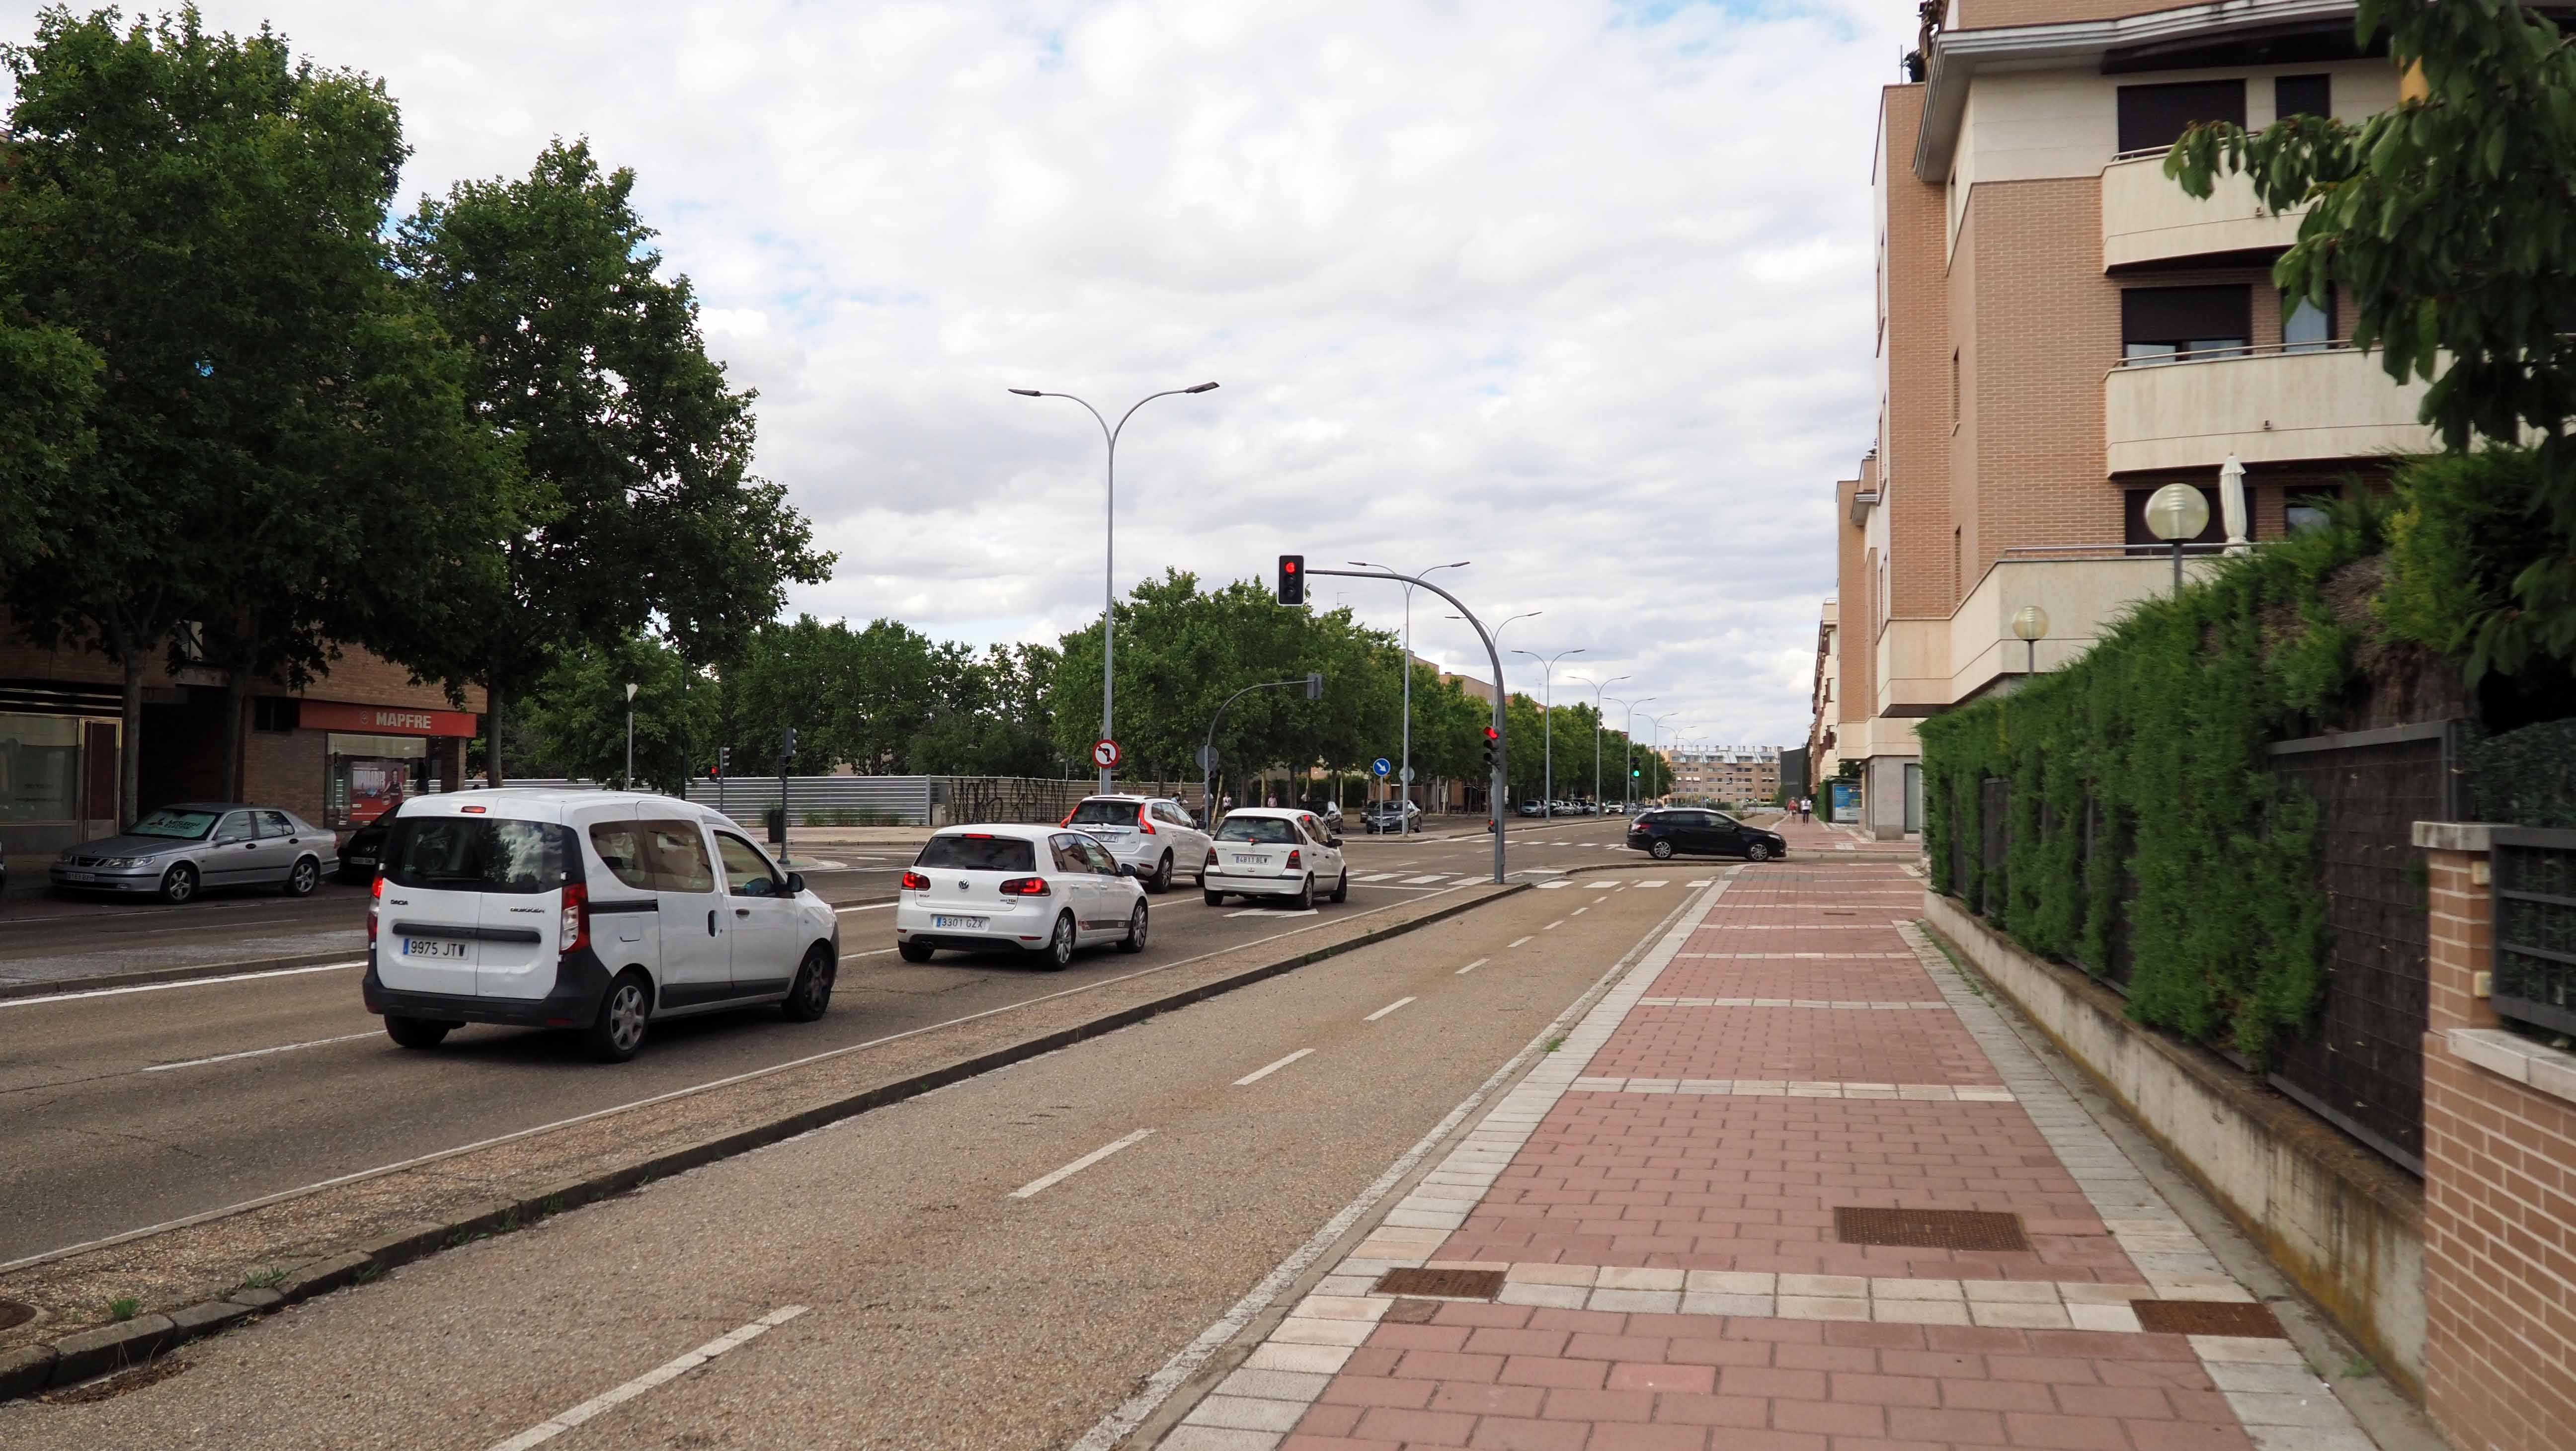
(1041, 889)
(1275, 852)
(598, 911)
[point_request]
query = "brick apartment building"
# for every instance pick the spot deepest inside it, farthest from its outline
(2061, 331)
(337, 753)
(1732, 775)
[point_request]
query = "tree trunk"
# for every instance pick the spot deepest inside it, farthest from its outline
(236, 695)
(492, 735)
(129, 752)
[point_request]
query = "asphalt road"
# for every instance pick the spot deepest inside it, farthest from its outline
(973, 1271)
(131, 1107)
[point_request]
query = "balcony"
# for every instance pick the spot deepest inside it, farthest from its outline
(2147, 217)
(2264, 405)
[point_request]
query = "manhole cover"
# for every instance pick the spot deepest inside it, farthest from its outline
(1412, 1312)
(13, 1313)
(2207, 1317)
(1929, 1228)
(1446, 1284)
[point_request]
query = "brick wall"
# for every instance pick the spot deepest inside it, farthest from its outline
(284, 768)
(1918, 343)
(2499, 1206)
(1855, 591)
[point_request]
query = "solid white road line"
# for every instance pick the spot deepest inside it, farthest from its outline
(1272, 912)
(154, 987)
(1471, 967)
(254, 1053)
(1258, 1074)
(1043, 1183)
(1508, 946)
(545, 1431)
(1382, 1012)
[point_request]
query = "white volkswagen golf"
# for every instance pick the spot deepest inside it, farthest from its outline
(1271, 851)
(1041, 889)
(1150, 833)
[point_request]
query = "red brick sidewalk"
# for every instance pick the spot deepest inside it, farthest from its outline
(1672, 1269)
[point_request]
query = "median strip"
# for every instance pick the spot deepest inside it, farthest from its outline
(1045, 1182)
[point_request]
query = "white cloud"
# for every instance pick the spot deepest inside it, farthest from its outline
(1579, 291)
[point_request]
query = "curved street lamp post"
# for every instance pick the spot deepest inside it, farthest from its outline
(1598, 686)
(1109, 551)
(1547, 719)
(1628, 745)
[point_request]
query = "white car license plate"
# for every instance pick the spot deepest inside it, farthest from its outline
(1250, 861)
(431, 947)
(80, 876)
(959, 924)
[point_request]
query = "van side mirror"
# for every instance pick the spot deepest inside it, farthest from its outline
(1126, 869)
(795, 883)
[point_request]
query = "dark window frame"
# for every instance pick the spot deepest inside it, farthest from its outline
(2303, 95)
(2153, 117)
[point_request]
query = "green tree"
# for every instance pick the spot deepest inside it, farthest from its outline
(272, 420)
(2449, 225)
(578, 714)
(641, 508)
(49, 382)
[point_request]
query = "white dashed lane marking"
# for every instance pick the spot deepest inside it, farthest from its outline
(1515, 943)
(1258, 1074)
(1045, 1182)
(1382, 1012)
(1471, 967)
(255, 1052)
(545, 1431)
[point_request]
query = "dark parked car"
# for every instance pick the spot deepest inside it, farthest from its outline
(365, 848)
(1391, 816)
(1677, 830)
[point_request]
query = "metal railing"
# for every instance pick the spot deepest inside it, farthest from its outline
(2534, 876)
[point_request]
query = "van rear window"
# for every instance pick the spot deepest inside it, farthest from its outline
(480, 854)
(980, 853)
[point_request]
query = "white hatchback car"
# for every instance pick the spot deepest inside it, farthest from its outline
(1150, 833)
(1042, 889)
(593, 910)
(1273, 851)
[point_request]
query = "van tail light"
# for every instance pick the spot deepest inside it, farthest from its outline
(375, 904)
(1144, 822)
(573, 933)
(915, 882)
(1025, 887)
(1296, 859)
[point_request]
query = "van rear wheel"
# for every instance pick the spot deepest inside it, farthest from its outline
(416, 1032)
(618, 1031)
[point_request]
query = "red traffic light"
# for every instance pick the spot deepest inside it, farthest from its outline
(1492, 734)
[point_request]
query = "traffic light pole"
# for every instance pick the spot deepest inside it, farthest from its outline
(1500, 789)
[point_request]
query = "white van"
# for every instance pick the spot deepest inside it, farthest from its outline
(592, 910)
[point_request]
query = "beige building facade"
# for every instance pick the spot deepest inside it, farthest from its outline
(2062, 331)
(1729, 775)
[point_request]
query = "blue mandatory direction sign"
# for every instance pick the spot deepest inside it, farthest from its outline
(1381, 765)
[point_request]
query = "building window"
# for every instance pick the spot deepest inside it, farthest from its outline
(2154, 117)
(40, 773)
(274, 712)
(2302, 96)
(366, 776)
(2160, 324)
(2306, 327)
(2309, 508)
(2142, 540)
(1954, 388)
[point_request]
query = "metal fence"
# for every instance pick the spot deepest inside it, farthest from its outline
(2360, 1061)
(2535, 926)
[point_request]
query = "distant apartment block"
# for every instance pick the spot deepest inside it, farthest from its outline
(1740, 774)
(2062, 331)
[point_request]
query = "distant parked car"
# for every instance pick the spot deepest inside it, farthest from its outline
(178, 851)
(1532, 808)
(1150, 833)
(1674, 830)
(1391, 816)
(365, 848)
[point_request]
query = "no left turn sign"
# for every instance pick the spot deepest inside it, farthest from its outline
(1104, 753)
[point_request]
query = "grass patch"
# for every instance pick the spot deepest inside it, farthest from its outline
(1553, 1044)
(123, 1307)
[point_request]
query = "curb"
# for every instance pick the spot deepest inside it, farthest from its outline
(248, 968)
(99, 1350)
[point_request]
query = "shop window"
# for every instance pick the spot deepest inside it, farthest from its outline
(274, 712)
(366, 776)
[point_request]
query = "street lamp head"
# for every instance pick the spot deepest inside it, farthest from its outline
(630, 690)
(1201, 388)
(1028, 392)
(2030, 622)
(2177, 512)
(1461, 564)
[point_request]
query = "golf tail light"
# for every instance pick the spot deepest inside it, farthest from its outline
(375, 904)
(1296, 859)
(1144, 823)
(573, 933)
(915, 882)
(1211, 861)
(1025, 887)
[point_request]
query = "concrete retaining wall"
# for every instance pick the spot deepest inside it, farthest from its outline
(2343, 1223)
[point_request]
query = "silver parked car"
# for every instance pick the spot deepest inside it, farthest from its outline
(178, 851)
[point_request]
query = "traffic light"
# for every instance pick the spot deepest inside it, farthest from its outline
(1493, 750)
(1292, 579)
(787, 745)
(724, 763)
(1314, 686)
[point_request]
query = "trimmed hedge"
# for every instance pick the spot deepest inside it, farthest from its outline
(2138, 773)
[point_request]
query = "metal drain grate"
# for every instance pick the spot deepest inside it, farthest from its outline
(12, 1313)
(1445, 1284)
(1930, 1228)
(2207, 1317)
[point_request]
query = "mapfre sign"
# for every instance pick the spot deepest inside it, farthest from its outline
(384, 720)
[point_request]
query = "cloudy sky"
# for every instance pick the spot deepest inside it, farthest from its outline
(1573, 289)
